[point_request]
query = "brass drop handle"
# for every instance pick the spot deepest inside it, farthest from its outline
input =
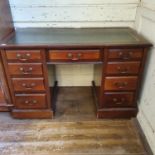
(19, 56)
(122, 70)
(31, 102)
(114, 99)
(30, 69)
(27, 55)
(34, 101)
(79, 55)
(28, 86)
(24, 71)
(69, 55)
(123, 99)
(27, 102)
(75, 59)
(121, 85)
(125, 56)
(22, 57)
(32, 84)
(24, 84)
(118, 103)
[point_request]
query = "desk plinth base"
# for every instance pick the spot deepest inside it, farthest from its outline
(117, 113)
(33, 114)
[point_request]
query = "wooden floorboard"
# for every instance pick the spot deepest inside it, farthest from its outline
(74, 131)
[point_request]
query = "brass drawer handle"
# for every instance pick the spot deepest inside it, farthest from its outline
(28, 55)
(69, 55)
(24, 71)
(119, 103)
(30, 86)
(22, 57)
(31, 102)
(75, 59)
(121, 85)
(79, 55)
(122, 70)
(123, 99)
(27, 102)
(34, 101)
(125, 56)
(115, 100)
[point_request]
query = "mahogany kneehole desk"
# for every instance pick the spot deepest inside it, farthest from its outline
(118, 55)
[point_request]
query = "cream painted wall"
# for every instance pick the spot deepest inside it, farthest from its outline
(71, 13)
(145, 24)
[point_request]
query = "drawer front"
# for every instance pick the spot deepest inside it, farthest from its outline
(30, 101)
(123, 68)
(23, 55)
(118, 99)
(125, 54)
(74, 55)
(121, 83)
(25, 69)
(28, 84)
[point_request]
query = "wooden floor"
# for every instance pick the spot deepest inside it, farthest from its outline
(74, 104)
(74, 131)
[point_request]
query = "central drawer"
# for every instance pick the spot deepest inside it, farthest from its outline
(28, 84)
(74, 55)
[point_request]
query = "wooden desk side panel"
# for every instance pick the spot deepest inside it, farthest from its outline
(6, 22)
(5, 100)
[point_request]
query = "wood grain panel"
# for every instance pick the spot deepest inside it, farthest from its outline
(6, 23)
(114, 68)
(5, 99)
(121, 83)
(25, 69)
(125, 54)
(30, 101)
(23, 55)
(28, 84)
(74, 55)
(119, 99)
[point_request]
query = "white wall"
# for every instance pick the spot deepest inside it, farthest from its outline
(145, 24)
(73, 13)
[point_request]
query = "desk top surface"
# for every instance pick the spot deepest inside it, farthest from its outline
(74, 37)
